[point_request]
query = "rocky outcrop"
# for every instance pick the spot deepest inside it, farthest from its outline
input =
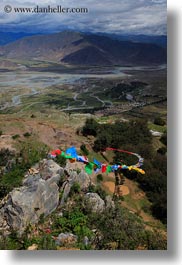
(94, 203)
(66, 239)
(109, 202)
(82, 179)
(38, 196)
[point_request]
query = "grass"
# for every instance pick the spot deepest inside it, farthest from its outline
(156, 143)
(144, 204)
(132, 203)
(141, 206)
(156, 127)
(95, 155)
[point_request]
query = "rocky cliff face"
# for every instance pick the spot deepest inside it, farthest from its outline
(82, 179)
(39, 195)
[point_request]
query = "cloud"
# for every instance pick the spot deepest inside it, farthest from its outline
(118, 16)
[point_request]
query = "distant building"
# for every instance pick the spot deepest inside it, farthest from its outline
(156, 133)
(129, 97)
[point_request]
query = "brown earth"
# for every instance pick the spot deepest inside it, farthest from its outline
(123, 190)
(6, 142)
(48, 133)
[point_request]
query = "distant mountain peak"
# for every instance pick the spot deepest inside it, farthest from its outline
(84, 49)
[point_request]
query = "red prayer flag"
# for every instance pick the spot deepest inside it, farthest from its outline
(104, 168)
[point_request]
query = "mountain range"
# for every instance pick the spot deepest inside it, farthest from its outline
(84, 49)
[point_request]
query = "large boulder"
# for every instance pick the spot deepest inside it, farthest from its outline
(94, 203)
(38, 196)
(49, 169)
(82, 179)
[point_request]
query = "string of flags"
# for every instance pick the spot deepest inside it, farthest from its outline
(95, 165)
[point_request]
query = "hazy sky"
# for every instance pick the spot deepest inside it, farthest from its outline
(111, 16)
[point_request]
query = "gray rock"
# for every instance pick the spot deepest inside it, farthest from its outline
(49, 168)
(66, 239)
(25, 205)
(37, 196)
(66, 190)
(82, 179)
(94, 203)
(86, 241)
(109, 202)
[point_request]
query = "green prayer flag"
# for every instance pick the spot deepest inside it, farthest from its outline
(65, 155)
(108, 170)
(68, 156)
(89, 168)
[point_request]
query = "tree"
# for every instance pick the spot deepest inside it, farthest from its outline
(84, 149)
(99, 178)
(162, 150)
(163, 139)
(90, 127)
(159, 121)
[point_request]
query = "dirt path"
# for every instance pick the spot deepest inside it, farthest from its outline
(136, 195)
(130, 188)
(110, 186)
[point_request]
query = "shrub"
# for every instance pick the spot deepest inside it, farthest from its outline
(29, 154)
(162, 150)
(90, 127)
(16, 136)
(5, 156)
(163, 139)
(27, 134)
(84, 149)
(159, 121)
(99, 178)
(61, 160)
(75, 188)
(46, 242)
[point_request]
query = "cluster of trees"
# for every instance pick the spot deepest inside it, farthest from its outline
(135, 136)
(121, 89)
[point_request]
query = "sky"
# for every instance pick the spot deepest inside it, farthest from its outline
(147, 17)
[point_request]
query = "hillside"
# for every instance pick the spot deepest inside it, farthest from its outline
(7, 37)
(160, 40)
(70, 209)
(82, 49)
